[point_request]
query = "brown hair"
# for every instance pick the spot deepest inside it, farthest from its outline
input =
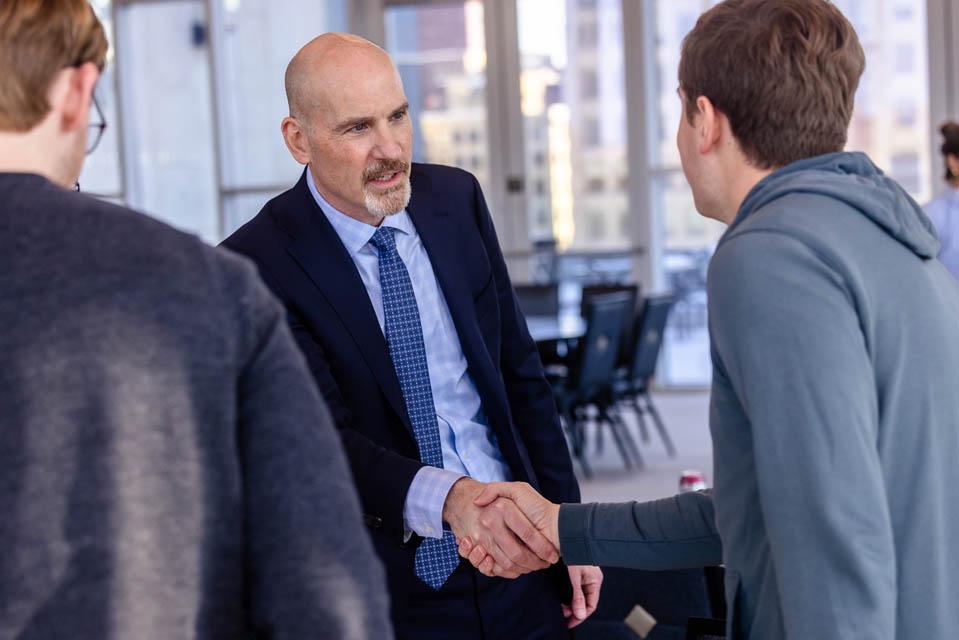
(950, 145)
(38, 38)
(784, 72)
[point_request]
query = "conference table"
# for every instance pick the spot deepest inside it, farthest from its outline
(559, 327)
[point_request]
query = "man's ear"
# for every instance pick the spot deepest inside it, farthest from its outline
(709, 123)
(71, 96)
(295, 137)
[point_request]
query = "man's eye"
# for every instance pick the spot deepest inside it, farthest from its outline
(358, 128)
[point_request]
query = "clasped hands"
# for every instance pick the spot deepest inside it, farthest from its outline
(506, 529)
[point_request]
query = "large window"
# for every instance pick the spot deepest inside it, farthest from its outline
(168, 116)
(254, 43)
(102, 172)
(687, 239)
(573, 103)
(193, 94)
(891, 121)
(441, 54)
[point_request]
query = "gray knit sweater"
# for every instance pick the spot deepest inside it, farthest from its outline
(167, 469)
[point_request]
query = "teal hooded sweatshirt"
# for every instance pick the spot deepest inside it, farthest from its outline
(834, 416)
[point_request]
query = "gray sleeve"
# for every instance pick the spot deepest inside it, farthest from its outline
(672, 533)
(787, 336)
(312, 571)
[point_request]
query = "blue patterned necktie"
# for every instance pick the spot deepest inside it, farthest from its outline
(436, 558)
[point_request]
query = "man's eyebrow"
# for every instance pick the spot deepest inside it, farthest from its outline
(355, 120)
(351, 122)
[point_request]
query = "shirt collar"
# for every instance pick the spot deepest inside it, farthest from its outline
(353, 233)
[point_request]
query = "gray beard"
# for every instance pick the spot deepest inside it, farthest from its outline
(390, 203)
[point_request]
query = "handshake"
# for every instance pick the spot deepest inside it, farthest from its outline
(506, 529)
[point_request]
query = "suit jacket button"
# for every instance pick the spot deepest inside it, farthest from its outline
(372, 521)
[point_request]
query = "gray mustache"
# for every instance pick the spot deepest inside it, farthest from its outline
(397, 166)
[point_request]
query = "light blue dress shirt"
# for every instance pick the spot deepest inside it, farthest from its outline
(944, 213)
(469, 445)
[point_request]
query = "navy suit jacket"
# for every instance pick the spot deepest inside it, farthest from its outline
(303, 261)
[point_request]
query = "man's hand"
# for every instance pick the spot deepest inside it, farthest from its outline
(514, 544)
(540, 511)
(543, 514)
(586, 581)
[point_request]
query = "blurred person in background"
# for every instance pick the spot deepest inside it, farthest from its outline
(944, 210)
(835, 345)
(398, 294)
(167, 468)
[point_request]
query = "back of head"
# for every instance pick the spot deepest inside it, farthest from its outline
(950, 138)
(38, 38)
(784, 72)
(950, 147)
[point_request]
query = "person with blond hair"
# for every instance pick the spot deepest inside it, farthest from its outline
(167, 469)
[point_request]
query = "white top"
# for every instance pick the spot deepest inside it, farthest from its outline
(944, 213)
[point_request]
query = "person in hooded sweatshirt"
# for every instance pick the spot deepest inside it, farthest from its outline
(834, 409)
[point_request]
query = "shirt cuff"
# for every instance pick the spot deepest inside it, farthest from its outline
(423, 510)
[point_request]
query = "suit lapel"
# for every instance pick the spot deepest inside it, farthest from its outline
(317, 248)
(442, 238)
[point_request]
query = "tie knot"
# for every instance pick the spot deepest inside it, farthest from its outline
(383, 240)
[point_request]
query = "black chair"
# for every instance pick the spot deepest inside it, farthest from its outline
(633, 382)
(538, 299)
(632, 290)
(624, 358)
(542, 300)
(587, 382)
(714, 626)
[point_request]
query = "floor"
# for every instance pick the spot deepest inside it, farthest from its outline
(685, 414)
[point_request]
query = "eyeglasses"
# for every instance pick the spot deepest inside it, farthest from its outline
(96, 132)
(97, 127)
